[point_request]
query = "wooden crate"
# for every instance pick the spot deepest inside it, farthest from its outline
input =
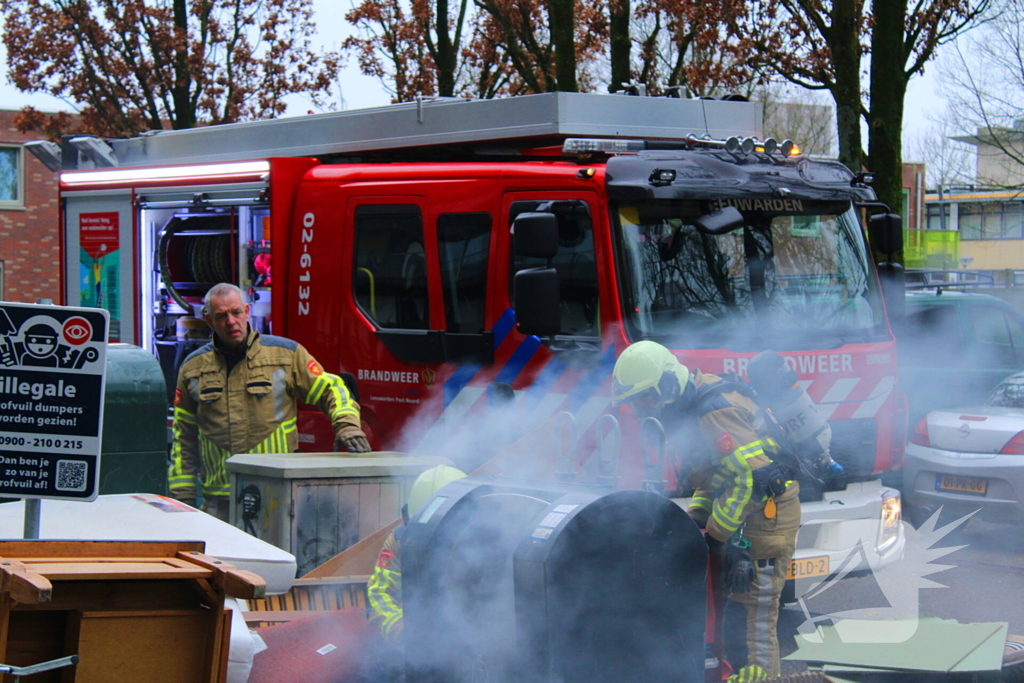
(308, 597)
(131, 610)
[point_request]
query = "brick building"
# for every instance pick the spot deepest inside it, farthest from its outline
(29, 220)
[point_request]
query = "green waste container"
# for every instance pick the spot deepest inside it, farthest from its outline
(134, 456)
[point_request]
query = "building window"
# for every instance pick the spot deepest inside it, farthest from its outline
(937, 217)
(12, 172)
(991, 221)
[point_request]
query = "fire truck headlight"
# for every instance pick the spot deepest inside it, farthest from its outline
(892, 513)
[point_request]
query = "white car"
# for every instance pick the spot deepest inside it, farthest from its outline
(968, 459)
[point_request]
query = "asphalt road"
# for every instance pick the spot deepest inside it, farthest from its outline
(985, 583)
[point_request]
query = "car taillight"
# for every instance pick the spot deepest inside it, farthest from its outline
(1014, 446)
(920, 435)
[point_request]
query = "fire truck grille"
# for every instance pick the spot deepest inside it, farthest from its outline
(854, 444)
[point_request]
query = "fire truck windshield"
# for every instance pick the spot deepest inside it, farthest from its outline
(795, 275)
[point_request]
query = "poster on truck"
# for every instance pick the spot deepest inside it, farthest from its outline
(99, 240)
(53, 362)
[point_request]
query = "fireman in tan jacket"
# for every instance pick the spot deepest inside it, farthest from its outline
(730, 467)
(237, 395)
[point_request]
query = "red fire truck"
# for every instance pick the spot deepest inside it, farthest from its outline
(382, 240)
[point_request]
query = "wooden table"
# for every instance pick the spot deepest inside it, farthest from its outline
(131, 610)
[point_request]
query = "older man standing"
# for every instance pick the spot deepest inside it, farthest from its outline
(237, 395)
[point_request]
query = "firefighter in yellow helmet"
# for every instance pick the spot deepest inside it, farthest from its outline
(742, 497)
(384, 590)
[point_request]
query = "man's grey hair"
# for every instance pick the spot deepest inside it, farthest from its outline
(221, 289)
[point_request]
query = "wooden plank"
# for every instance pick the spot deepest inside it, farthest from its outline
(238, 583)
(279, 616)
(32, 562)
(121, 572)
(217, 647)
(35, 637)
(5, 624)
(331, 581)
(27, 586)
(25, 549)
(143, 647)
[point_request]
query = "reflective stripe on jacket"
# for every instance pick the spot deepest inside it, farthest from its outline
(249, 410)
(384, 592)
(731, 427)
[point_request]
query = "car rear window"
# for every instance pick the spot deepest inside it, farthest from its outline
(1009, 393)
(931, 335)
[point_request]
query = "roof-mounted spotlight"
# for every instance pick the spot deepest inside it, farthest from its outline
(732, 145)
(788, 146)
(95, 150)
(636, 89)
(47, 152)
(662, 176)
(770, 145)
(747, 146)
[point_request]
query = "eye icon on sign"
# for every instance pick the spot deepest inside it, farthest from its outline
(77, 331)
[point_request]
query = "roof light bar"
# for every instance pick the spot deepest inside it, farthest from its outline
(733, 145)
(167, 173)
(591, 145)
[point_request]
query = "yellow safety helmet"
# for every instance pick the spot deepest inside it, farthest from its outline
(646, 371)
(428, 483)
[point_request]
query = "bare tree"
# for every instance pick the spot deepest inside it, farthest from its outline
(983, 80)
(947, 161)
(805, 117)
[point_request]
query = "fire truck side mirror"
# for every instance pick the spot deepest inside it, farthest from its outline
(720, 222)
(535, 235)
(537, 301)
(886, 232)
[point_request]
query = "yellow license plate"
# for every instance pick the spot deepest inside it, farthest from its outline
(808, 567)
(949, 482)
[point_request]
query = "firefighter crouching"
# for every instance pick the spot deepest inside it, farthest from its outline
(384, 590)
(237, 395)
(744, 500)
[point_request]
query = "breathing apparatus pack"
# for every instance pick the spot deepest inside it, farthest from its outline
(793, 421)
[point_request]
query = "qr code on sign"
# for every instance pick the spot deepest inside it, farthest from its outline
(71, 475)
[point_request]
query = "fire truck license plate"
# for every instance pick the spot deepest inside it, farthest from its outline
(949, 482)
(807, 567)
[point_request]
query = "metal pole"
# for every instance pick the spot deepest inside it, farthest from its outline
(33, 506)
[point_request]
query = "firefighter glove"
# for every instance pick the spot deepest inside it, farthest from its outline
(738, 571)
(770, 480)
(353, 444)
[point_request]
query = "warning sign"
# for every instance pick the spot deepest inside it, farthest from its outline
(52, 370)
(99, 237)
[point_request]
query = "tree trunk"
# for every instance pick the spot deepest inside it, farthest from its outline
(619, 43)
(562, 17)
(183, 116)
(843, 40)
(445, 58)
(888, 90)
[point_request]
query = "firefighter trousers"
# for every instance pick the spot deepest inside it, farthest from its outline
(751, 618)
